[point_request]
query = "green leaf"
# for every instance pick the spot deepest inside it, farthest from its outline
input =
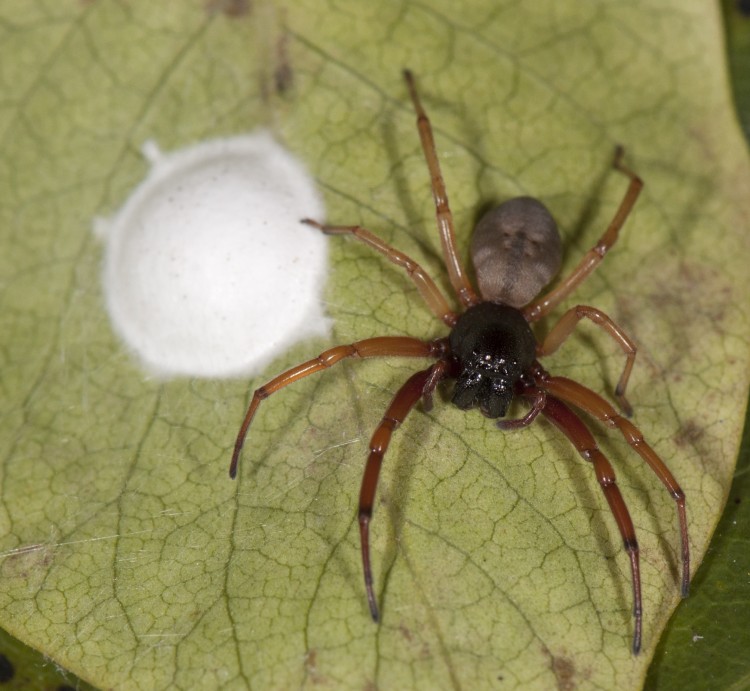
(737, 20)
(706, 642)
(23, 668)
(128, 555)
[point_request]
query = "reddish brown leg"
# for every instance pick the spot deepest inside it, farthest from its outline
(459, 279)
(437, 374)
(538, 308)
(537, 405)
(569, 321)
(425, 285)
(574, 429)
(402, 403)
(592, 403)
(385, 346)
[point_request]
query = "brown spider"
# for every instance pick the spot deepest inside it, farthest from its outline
(491, 351)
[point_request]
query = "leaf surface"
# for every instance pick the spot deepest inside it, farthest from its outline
(706, 641)
(131, 559)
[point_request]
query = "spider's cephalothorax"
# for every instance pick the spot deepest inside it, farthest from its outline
(491, 351)
(493, 346)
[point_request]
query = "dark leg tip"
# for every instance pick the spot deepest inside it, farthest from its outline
(627, 409)
(373, 609)
(233, 466)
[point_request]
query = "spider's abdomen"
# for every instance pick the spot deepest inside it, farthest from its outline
(493, 346)
(516, 251)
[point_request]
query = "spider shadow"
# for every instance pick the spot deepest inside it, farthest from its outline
(392, 147)
(426, 232)
(591, 499)
(572, 237)
(291, 431)
(392, 499)
(625, 460)
(580, 475)
(388, 514)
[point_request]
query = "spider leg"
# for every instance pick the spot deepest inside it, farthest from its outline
(538, 402)
(456, 272)
(425, 285)
(564, 327)
(437, 374)
(538, 308)
(592, 403)
(574, 429)
(384, 346)
(404, 400)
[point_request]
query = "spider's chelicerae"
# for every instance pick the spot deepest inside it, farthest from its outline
(491, 351)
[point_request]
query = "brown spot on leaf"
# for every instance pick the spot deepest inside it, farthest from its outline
(27, 562)
(565, 672)
(231, 8)
(693, 290)
(567, 676)
(405, 632)
(689, 434)
(311, 667)
(420, 647)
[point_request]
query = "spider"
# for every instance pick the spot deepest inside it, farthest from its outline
(491, 351)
